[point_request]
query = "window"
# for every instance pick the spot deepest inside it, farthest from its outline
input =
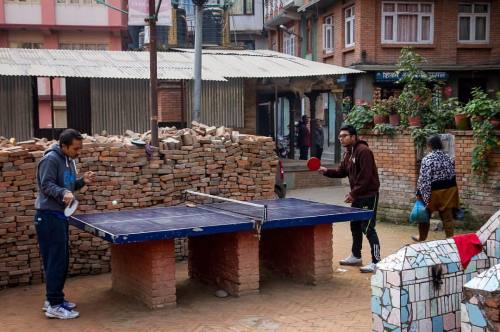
(407, 22)
(76, 2)
(242, 7)
(25, 45)
(349, 27)
(473, 22)
(23, 1)
(78, 46)
(289, 43)
(328, 35)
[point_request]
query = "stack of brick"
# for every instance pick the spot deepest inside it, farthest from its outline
(207, 159)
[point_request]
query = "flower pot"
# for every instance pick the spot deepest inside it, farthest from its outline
(394, 119)
(378, 119)
(462, 122)
(415, 121)
(496, 123)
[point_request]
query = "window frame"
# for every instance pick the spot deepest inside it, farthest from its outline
(245, 9)
(352, 27)
(473, 16)
(395, 15)
(289, 42)
(328, 27)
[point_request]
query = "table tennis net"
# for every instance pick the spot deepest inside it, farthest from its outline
(222, 205)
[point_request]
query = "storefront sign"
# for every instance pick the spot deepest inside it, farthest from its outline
(392, 76)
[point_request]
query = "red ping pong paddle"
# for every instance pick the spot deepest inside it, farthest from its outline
(313, 164)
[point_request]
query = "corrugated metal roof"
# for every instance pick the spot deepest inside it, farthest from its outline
(218, 65)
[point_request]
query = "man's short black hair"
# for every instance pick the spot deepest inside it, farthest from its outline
(350, 129)
(435, 142)
(68, 135)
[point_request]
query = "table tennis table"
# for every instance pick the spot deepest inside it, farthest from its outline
(228, 242)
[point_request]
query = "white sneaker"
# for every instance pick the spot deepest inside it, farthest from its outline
(351, 260)
(60, 312)
(67, 304)
(368, 268)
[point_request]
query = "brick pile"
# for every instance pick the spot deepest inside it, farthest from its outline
(206, 159)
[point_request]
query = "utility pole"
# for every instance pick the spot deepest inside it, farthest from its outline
(153, 65)
(198, 39)
(153, 72)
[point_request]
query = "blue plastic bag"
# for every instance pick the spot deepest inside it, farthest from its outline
(419, 213)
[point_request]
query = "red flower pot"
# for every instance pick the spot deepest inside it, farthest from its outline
(415, 121)
(462, 122)
(378, 119)
(394, 119)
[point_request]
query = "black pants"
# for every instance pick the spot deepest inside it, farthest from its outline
(304, 152)
(319, 152)
(52, 233)
(366, 227)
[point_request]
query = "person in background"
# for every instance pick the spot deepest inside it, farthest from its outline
(358, 164)
(57, 181)
(304, 139)
(318, 139)
(437, 187)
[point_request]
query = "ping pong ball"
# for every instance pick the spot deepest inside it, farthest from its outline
(114, 202)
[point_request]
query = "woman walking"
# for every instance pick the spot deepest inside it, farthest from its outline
(437, 187)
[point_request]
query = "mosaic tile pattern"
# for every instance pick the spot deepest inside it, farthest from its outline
(405, 296)
(489, 235)
(485, 286)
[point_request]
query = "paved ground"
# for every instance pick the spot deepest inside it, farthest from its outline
(340, 305)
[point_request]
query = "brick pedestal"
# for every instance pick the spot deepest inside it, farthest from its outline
(230, 261)
(145, 271)
(302, 253)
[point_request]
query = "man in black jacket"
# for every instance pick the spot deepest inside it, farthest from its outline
(358, 164)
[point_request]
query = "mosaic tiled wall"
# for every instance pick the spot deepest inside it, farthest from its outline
(407, 295)
(404, 297)
(480, 309)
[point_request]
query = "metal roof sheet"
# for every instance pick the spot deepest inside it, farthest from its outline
(218, 65)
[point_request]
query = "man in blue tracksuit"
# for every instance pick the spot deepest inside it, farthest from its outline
(57, 181)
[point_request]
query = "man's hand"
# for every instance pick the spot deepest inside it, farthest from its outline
(68, 197)
(348, 198)
(322, 170)
(89, 177)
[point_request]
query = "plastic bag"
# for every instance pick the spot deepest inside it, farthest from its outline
(419, 213)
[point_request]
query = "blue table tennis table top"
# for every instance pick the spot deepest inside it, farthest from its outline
(159, 223)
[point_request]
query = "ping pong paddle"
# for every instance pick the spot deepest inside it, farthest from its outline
(71, 208)
(313, 164)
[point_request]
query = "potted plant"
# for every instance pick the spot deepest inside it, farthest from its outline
(392, 106)
(480, 107)
(360, 117)
(462, 121)
(495, 119)
(380, 112)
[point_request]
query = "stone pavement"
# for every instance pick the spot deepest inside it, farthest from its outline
(342, 304)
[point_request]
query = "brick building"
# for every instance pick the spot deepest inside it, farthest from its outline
(460, 39)
(59, 24)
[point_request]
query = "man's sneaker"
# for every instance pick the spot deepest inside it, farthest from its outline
(61, 312)
(67, 304)
(368, 268)
(351, 260)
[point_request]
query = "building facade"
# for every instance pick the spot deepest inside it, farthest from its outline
(59, 24)
(459, 39)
